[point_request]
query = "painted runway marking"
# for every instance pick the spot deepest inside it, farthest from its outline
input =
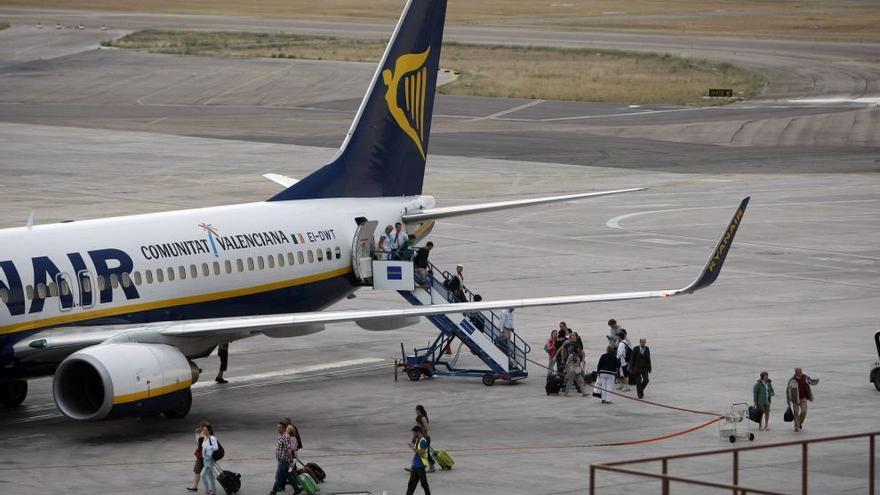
(293, 371)
(508, 111)
(665, 242)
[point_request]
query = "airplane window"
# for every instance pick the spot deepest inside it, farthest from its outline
(4, 296)
(329, 254)
(320, 254)
(239, 265)
(207, 271)
(299, 257)
(149, 274)
(260, 263)
(102, 284)
(181, 271)
(193, 271)
(228, 265)
(53, 289)
(271, 261)
(160, 275)
(338, 253)
(126, 279)
(250, 262)
(86, 284)
(114, 280)
(30, 292)
(170, 274)
(41, 291)
(290, 259)
(216, 266)
(137, 278)
(65, 287)
(311, 256)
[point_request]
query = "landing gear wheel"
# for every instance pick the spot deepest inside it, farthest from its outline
(182, 408)
(732, 438)
(751, 437)
(488, 380)
(13, 393)
(413, 374)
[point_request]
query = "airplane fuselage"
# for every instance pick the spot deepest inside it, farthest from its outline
(239, 260)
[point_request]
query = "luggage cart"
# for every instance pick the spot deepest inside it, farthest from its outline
(736, 423)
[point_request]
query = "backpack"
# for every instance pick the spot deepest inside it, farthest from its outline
(219, 453)
(453, 284)
(628, 353)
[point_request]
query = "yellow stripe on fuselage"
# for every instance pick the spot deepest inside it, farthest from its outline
(136, 308)
(146, 394)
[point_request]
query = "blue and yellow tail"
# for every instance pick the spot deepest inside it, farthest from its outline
(385, 149)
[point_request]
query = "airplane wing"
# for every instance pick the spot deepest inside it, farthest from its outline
(239, 327)
(281, 179)
(454, 211)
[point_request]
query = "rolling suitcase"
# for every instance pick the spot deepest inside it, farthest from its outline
(443, 459)
(317, 472)
(231, 482)
(307, 484)
(554, 384)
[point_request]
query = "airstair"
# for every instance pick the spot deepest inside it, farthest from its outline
(479, 331)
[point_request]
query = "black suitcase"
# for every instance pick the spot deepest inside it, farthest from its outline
(231, 482)
(320, 475)
(554, 384)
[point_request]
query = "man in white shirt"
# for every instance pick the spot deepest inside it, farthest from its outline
(396, 240)
(622, 347)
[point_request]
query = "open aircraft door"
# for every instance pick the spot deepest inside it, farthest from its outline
(362, 250)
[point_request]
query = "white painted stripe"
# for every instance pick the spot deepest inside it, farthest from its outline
(293, 371)
(508, 111)
(665, 242)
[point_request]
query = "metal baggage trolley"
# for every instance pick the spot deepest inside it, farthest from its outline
(736, 424)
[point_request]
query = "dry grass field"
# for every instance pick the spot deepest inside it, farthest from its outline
(519, 72)
(805, 19)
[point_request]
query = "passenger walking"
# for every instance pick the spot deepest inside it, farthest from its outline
(282, 454)
(422, 420)
(561, 337)
(200, 463)
(613, 332)
(209, 446)
(223, 354)
(605, 373)
(550, 349)
(763, 393)
(420, 263)
(798, 393)
(640, 367)
(575, 369)
(292, 437)
(382, 249)
(419, 446)
(624, 349)
(507, 323)
(407, 250)
(397, 240)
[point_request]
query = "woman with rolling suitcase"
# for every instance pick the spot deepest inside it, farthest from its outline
(422, 420)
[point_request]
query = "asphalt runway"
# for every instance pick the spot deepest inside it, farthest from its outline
(799, 287)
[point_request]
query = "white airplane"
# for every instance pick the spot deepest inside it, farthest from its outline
(117, 308)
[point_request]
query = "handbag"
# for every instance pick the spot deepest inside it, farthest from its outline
(755, 414)
(788, 417)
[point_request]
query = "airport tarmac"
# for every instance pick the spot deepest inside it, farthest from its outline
(799, 287)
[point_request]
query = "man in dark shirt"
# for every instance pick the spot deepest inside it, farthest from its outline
(420, 262)
(798, 393)
(640, 366)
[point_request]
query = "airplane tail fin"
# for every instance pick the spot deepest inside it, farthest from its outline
(384, 151)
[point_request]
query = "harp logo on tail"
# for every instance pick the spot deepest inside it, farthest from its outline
(405, 96)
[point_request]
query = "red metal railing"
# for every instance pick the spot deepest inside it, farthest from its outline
(737, 489)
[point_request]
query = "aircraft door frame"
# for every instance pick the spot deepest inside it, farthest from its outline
(64, 281)
(86, 285)
(362, 248)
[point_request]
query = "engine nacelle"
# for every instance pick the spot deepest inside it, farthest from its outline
(124, 379)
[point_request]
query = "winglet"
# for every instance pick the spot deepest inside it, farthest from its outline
(713, 265)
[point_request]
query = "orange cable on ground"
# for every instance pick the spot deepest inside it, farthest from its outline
(661, 437)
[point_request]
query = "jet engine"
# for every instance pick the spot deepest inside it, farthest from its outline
(124, 379)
